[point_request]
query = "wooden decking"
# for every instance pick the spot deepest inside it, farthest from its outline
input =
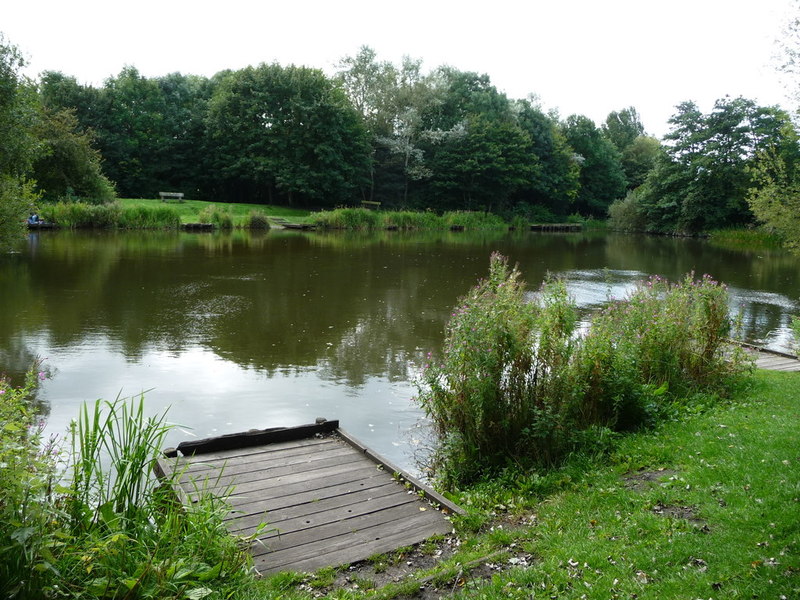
(327, 500)
(772, 360)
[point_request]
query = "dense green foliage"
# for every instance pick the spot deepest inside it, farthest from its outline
(18, 145)
(515, 385)
(105, 527)
(703, 175)
(362, 219)
(446, 140)
(776, 200)
(80, 215)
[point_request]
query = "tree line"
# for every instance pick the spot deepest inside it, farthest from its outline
(376, 131)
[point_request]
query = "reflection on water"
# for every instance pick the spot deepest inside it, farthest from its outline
(235, 331)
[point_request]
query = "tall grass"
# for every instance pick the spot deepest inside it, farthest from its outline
(515, 385)
(471, 221)
(362, 219)
(80, 215)
(217, 216)
(110, 529)
(745, 239)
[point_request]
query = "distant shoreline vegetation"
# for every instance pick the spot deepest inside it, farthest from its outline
(151, 214)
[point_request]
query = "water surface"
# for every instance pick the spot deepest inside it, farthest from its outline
(239, 331)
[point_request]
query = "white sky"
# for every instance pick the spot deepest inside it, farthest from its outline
(585, 56)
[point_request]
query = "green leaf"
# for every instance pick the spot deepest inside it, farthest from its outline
(198, 593)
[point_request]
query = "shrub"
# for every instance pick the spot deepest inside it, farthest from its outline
(358, 219)
(516, 385)
(626, 214)
(147, 217)
(217, 216)
(257, 220)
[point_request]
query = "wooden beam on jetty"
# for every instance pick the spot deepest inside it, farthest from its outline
(556, 227)
(327, 499)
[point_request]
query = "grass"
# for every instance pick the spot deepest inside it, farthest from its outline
(745, 239)
(189, 210)
(706, 506)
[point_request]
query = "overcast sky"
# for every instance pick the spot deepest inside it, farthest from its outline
(581, 56)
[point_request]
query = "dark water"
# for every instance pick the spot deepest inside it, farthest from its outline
(241, 331)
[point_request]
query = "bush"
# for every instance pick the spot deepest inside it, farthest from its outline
(626, 214)
(516, 385)
(358, 219)
(217, 216)
(257, 220)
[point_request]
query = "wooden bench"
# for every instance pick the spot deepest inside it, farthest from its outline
(166, 196)
(369, 204)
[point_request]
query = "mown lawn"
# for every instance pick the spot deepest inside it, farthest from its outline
(190, 209)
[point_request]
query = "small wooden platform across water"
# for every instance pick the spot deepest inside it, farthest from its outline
(326, 498)
(772, 360)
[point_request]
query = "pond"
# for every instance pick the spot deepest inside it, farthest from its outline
(238, 331)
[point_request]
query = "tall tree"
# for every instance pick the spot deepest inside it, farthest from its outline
(69, 166)
(701, 180)
(601, 177)
(287, 132)
(556, 183)
(19, 146)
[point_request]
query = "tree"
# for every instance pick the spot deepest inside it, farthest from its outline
(481, 165)
(18, 144)
(637, 150)
(775, 195)
(69, 164)
(601, 176)
(556, 182)
(286, 131)
(623, 127)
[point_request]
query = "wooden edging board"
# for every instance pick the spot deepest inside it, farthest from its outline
(254, 437)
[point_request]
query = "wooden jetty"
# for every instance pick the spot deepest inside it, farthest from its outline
(284, 224)
(327, 500)
(197, 226)
(556, 227)
(771, 360)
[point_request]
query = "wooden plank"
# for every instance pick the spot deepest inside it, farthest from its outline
(429, 493)
(394, 518)
(344, 554)
(355, 477)
(267, 463)
(255, 503)
(242, 522)
(222, 478)
(256, 437)
(281, 526)
(359, 545)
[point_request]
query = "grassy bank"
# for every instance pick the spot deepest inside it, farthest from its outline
(705, 506)
(154, 214)
(190, 211)
(745, 239)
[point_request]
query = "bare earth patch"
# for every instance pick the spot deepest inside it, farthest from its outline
(642, 480)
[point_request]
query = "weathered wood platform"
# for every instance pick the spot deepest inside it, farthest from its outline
(327, 499)
(772, 360)
(556, 227)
